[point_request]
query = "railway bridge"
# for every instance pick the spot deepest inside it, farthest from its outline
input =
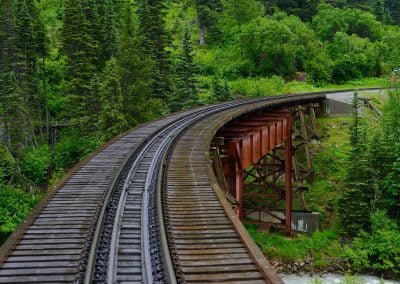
(164, 202)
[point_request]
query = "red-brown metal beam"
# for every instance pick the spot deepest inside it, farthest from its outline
(288, 185)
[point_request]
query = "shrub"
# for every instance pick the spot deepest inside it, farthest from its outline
(378, 250)
(15, 205)
(35, 163)
(258, 87)
(70, 150)
(7, 164)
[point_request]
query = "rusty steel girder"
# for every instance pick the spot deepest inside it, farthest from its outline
(246, 141)
(256, 161)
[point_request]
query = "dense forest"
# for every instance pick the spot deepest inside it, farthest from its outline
(75, 73)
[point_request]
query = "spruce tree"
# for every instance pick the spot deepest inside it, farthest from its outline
(395, 12)
(207, 20)
(379, 10)
(91, 12)
(26, 25)
(359, 4)
(77, 45)
(155, 42)
(112, 121)
(109, 30)
(354, 205)
(135, 67)
(221, 90)
(185, 87)
(18, 130)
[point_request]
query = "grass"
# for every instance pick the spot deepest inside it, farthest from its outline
(330, 158)
(329, 162)
(322, 247)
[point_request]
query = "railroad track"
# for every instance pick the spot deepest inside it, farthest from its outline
(106, 223)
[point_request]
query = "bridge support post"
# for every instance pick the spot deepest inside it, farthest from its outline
(258, 163)
(288, 185)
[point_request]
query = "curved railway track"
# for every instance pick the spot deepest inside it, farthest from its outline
(114, 222)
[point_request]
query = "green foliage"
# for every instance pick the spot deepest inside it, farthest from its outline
(7, 164)
(152, 28)
(221, 90)
(323, 247)
(354, 58)
(271, 45)
(379, 250)
(15, 205)
(258, 87)
(35, 164)
(239, 12)
(185, 92)
(330, 20)
(354, 205)
(73, 148)
(112, 121)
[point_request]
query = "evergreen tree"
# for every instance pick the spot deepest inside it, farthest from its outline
(387, 161)
(26, 44)
(359, 4)
(155, 41)
(221, 90)
(26, 26)
(109, 30)
(77, 45)
(185, 90)
(112, 121)
(305, 9)
(91, 11)
(207, 20)
(379, 10)
(135, 67)
(18, 131)
(7, 54)
(395, 12)
(392, 8)
(354, 205)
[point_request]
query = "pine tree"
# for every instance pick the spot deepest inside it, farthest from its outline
(18, 131)
(221, 90)
(135, 67)
(91, 11)
(112, 121)
(77, 45)
(395, 12)
(155, 42)
(354, 205)
(207, 20)
(359, 4)
(7, 54)
(26, 72)
(379, 10)
(42, 52)
(185, 90)
(109, 30)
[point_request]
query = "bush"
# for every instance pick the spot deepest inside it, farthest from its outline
(15, 205)
(7, 164)
(70, 150)
(378, 250)
(35, 164)
(258, 87)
